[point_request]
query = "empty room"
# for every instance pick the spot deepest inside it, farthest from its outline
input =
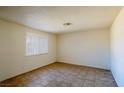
(61, 46)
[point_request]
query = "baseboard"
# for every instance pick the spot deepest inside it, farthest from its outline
(26, 72)
(81, 65)
(114, 79)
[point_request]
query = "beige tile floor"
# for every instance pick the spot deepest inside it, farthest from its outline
(62, 75)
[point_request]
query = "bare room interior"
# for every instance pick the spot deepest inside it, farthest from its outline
(61, 46)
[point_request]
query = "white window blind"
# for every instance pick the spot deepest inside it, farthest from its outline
(36, 44)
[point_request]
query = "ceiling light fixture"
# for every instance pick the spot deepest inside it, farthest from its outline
(67, 24)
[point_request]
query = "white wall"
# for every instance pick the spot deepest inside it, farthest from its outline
(12, 50)
(88, 48)
(117, 49)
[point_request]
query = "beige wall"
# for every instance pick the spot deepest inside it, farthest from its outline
(89, 48)
(12, 50)
(117, 49)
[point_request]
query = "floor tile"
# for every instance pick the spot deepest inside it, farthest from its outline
(89, 83)
(62, 75)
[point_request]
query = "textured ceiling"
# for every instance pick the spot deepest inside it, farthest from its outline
(51, 19)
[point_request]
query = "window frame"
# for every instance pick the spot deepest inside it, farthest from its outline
(38, 36)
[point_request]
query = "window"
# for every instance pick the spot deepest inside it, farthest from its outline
(36, 44)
